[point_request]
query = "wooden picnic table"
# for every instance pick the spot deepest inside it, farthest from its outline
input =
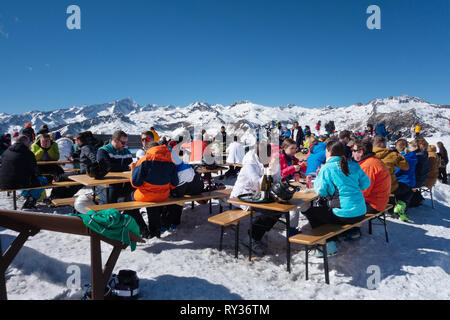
(28, 224)
(239, 165)
(299, 199)
(44, 163)
(48, 186)
(110, 178)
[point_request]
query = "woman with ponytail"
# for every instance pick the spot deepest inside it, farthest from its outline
(340, 181)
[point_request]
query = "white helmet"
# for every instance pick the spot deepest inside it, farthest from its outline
(83, 201)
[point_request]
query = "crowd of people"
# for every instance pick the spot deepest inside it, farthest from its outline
(355, 173)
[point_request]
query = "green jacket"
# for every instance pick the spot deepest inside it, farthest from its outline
(111, 224)
(53, 152)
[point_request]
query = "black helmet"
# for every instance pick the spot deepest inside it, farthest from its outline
(283, 191)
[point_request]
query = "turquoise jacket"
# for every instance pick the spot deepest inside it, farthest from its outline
(352, 203)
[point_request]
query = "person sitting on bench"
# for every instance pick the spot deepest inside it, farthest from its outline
(118, 158)
(249, 181)
(153, 177)
(45, 149)
(19, 170)
(377, 195)
(406, 179)
(342, 182)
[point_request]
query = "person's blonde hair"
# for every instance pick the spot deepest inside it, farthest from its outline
(432, 148)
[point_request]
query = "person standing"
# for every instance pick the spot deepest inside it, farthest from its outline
(224, 141)
(444, 161)
(297, 135)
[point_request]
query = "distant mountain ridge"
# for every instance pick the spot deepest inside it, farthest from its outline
(241, 118)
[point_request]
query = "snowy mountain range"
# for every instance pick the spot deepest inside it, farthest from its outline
(241, 118)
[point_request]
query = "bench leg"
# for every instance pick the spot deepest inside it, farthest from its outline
(370, 226)
(325, 263)
(385, 227)
(236, 241)
(15, 200)
(210, 206)
(221, 237)
(306, 261)
(250, 238)
(192, 205)
(431, 195)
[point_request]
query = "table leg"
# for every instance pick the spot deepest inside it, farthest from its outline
(288, 244)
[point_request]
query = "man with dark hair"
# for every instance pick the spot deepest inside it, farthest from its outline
(117, 158)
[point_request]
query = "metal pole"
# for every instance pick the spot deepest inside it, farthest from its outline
(236, 242)
(325, 263)
(15, 200)
(250, 238)
(306, 260)
(221, 238)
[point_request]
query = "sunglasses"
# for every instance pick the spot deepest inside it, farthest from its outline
(124, 143)
(356, 150)
(145, 139)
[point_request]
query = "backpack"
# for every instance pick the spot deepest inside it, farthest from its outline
(124, 286)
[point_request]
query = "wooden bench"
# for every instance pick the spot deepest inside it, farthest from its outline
(230, 218)
(28, 224)
(131, 205)
(317, 237)
(49, 186)
(64, 202)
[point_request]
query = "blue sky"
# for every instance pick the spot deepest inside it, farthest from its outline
(309, 53)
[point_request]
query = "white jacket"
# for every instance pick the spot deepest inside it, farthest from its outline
(65, 151)
(250, 177)
(236, 153)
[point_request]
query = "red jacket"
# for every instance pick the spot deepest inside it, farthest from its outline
(377, 195)
(286, 169)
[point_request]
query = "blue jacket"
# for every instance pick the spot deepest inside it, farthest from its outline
(422, 168)
(352, 203)
(380, 129)
(316, 158)
(408, 177)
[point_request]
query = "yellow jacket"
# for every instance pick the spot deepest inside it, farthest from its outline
(392, 160)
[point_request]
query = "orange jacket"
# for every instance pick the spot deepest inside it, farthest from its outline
(154, 175)
(377, 195)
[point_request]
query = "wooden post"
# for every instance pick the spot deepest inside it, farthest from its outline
(97, 281)
(3, 295)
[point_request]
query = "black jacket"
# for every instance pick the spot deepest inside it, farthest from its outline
(19, 168)
(88, 155)
(299, 138)
(422, 168)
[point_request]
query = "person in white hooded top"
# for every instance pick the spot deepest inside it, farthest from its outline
(249, 181)
(65, 151)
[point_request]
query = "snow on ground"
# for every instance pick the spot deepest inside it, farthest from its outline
(415, 264)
